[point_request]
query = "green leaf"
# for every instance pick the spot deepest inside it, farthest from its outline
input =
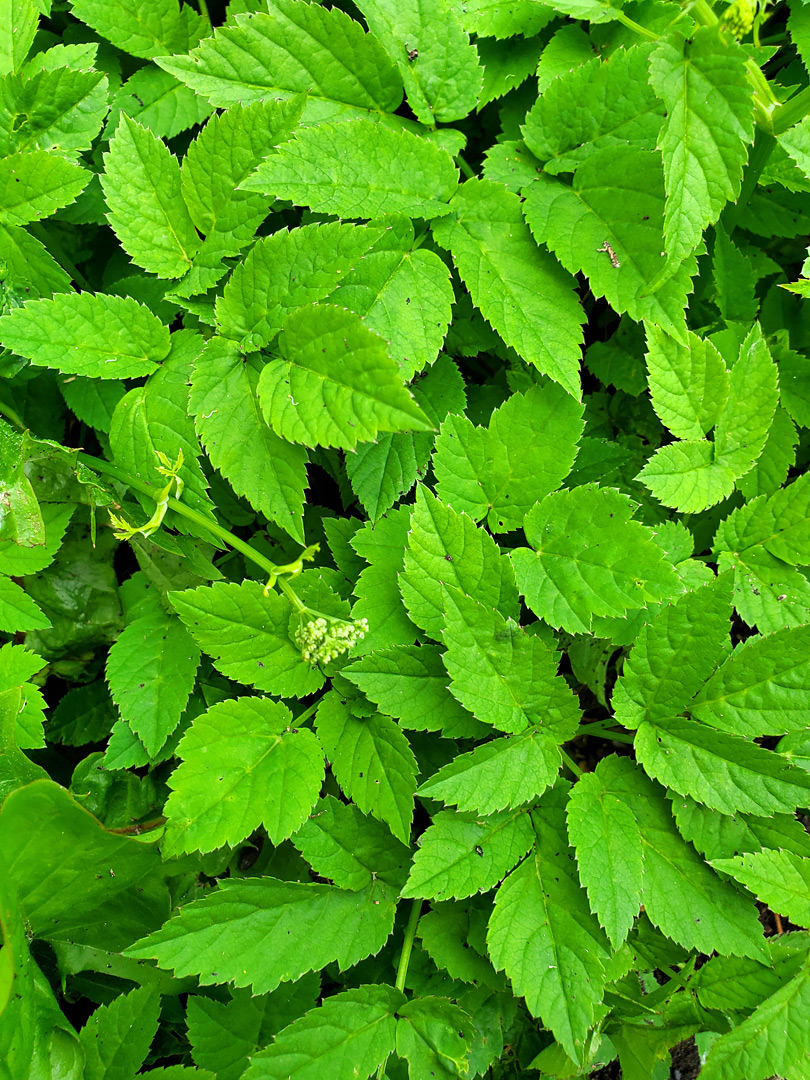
(20, 21)
(434, 1037)
(409, 682)
(29, 261)
(117, 1036)
(60, 109)
(85, 334)
(686, 476)
(589, 558)
(248, 635)
(688, 384)
(18, 611)
(377, 589)
(734, 280)
(259, 57)
(348, 1037)
(771, 1040)
(779, 878)
(489, 18)
(544, 936)
(285, 271)
(404, 295)
(725, 772)
(16, 768)
(224, 1036)
(709, 122)
(762, 687)
(446, 548)
(35, 183)
(609, 225)
(681, 895)
(562, 131)
(506, 69)
(718, 836)
(503, 773)
(776, 460)
(141, 185)
(268, 471)
(503, 675)
(153, 28)
(462, 854)
(609, 852)
(242, 765)
(260, 932)
(674, 655)
(445, 931)
(371, 760)
(335, 384)
(151, 670)
(157, 101)
(351, 849)
(438, 65)
(753, 395)
(78, 899)
(359, 168)
(501, 471)
(519, 288)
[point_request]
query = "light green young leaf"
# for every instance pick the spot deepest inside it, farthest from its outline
(409, 682)
(371, 760)
(686, 476)
(147, 213)
(753, 394)
(377, 589)
(609, 851)
(351, 849)
(404, 295)
(268, 471)
(762, 687)
(544, 936)
(438, 65)
(335, 384)
(259, 56)
(688, 384)
(157, 101)
(506, 772)
(462, 854)
(722, 771)
(796, 141)
(674, 655)
(359, 168)
(772, 1040)
(259, 772)
(434, 1037)
(36, 183)
(446, 548)
(519, 288)
(248, 635)
(681, 895)
(348, 1037)
(608, 225)
(490, 18)
(588, 557)
(500, 472)
(117, 1036)
(503, 675)
(570, 47)
(149, 28)
(709, 122)
(260, 932)
(285, 271)
(562, 131)
(151, 670)
(85, 334)
(779, 878)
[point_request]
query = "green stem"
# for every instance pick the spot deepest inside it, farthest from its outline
(405, 958)
(603, 727)
(631, 24)
(465, 168)
(792, 111)
(10, 414)
(203, 6)
(572, 765)
(214, 528)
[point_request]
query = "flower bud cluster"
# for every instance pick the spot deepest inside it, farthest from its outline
(322, 640)
(739, 17)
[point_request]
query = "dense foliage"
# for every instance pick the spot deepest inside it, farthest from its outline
(404, 533)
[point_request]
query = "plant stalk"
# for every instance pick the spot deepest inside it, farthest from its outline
(405, 958)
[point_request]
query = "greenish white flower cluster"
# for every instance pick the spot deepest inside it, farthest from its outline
(739, 17)
(322, 640)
